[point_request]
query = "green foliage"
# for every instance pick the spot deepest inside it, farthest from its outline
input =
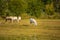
(30, 7)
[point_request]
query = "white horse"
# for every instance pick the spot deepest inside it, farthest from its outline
(12, 18)
(33, 21)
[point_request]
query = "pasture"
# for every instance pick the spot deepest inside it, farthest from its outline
(47, 29)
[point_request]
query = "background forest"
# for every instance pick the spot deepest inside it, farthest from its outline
(45, 9)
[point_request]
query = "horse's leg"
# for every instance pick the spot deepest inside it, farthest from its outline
(17, 20)
(12, 20)
(6, 20)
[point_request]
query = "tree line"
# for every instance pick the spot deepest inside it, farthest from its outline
(34, 8)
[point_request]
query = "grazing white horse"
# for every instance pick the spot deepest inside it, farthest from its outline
(33, 21)
(12, 18)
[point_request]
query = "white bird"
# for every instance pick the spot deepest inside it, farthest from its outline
(33, 21)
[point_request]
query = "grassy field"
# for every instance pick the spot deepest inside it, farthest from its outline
(47, 29)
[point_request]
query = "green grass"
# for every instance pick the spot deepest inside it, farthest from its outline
(32, 37)
(45, 30)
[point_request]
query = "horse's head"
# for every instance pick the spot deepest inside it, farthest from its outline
(19, 18)
(4, 17)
